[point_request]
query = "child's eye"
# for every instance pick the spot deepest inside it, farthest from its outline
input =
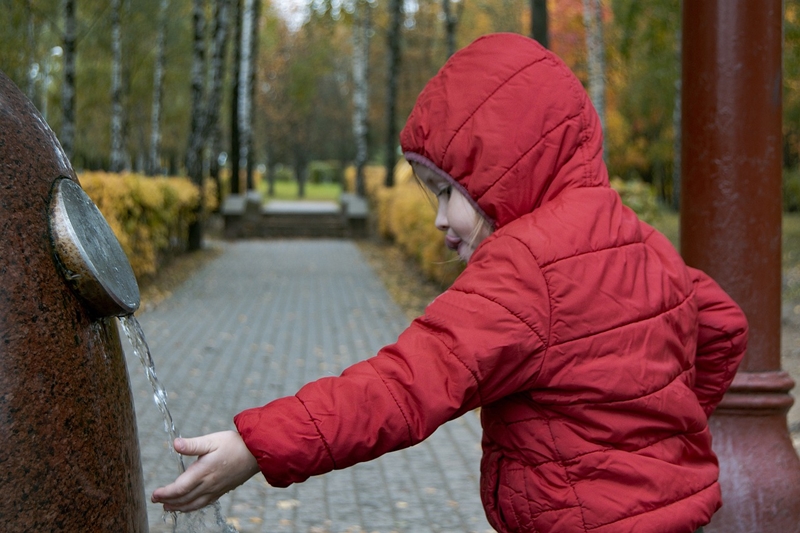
(444, 192)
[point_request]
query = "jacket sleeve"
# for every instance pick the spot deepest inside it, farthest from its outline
(721, 340)
(469, 348)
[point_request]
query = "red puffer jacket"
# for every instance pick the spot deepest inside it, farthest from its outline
(596, 354)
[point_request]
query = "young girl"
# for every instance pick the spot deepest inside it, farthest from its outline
(595, 353)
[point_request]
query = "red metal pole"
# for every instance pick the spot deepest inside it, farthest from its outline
(731, 229)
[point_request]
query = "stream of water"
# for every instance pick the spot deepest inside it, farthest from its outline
(208, 519)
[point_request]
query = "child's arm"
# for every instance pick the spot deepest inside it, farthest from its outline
(481, 340)
(721, 340)
(223, 464)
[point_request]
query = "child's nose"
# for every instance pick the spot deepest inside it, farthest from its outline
(441, 221)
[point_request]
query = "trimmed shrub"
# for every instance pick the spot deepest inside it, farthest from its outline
(639, 196)
(324, 172)
(149, 216)
(284, 173)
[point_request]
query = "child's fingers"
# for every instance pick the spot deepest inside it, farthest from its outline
(194, 500)
(195, 446)
(189, 492)
(179, 490)
(223, 463)
(190, 503)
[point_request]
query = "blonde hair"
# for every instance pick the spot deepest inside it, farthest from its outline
(482, 227)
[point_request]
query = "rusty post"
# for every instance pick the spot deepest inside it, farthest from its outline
(731, 228)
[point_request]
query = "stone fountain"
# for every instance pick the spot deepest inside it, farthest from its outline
(69, 452)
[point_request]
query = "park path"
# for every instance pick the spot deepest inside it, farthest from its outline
(255, 324)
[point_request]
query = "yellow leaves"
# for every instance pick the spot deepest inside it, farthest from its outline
(286, 505)
(625, 149)
(148, 215)
(790, 13)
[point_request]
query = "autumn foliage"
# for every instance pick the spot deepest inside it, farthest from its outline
(149, 216)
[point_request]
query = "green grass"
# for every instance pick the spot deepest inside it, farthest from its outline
(287, 190)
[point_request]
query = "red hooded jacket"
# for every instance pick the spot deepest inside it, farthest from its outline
(595, 353)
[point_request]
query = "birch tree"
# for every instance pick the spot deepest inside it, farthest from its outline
(595, 54)
(245, 64)
(219, 39)
(117, 154)
(154, 158)
(251, 90)
(393, 46)
(235, 76)
(68, 88)
(361, 35)
(194, 154)
(30, 88)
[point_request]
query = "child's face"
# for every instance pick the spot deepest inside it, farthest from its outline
(463, 227)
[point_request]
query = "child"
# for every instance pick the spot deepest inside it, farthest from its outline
(595, 353)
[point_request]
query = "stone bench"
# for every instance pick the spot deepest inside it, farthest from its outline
(246, 216)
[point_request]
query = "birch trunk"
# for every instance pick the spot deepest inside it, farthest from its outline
(117, 156)
(30, 89)
(154, 159)
(243, 113)
(68, 88)
(251, 91)
(396, 14)
(235, 140)
(595, 53)
(194, 154)
(361, 30)
(219, 39)
(215, 148)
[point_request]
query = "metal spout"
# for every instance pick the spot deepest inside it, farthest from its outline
(89, 255)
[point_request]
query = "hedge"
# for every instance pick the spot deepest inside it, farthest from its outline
(149, 215)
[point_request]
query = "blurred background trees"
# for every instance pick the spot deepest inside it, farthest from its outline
(314, 61)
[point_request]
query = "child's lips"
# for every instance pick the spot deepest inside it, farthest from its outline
(452, 242)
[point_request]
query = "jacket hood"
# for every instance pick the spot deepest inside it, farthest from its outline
(509, 124)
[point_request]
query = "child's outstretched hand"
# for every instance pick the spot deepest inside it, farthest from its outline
(223, 463)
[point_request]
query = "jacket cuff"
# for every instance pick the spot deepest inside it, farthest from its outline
(285, 441)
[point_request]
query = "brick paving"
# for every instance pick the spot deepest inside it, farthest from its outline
(257, 323)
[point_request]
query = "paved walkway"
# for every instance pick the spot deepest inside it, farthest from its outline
(256, 324)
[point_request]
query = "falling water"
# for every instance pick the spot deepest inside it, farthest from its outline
(208, 519)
